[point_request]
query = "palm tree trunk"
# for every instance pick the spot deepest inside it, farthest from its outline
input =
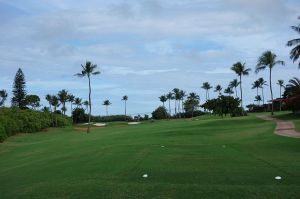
(125, 108)
(71, 112)
(106, 110)
(170, 107)
(90, 104)
(236, 92)
(175, 107)
(280, 98)
(241, 91)
(179, 109)
(271, 91)
(182, 109)
(263, 96)
(257, 94)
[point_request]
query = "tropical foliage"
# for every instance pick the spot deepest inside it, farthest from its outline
(268, 60)
(89, 70)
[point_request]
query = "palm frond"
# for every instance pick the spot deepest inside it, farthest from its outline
(279, 62)
(296, 28)
(295, 53)
(260, 68)
(293, 42)
(79, 75)
(96, 73)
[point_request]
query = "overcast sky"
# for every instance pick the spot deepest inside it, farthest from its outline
(143, 48)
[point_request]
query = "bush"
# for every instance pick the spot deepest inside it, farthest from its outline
(14, 120)
(3, 135)
(160, 113)
(79, 116)
(111, 118)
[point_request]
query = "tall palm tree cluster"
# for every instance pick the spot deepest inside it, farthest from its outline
(178, 96)
(268, 60)
(61, 98)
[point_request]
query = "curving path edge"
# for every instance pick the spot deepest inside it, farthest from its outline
(283, 128)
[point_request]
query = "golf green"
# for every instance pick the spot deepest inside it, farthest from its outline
(205, 158)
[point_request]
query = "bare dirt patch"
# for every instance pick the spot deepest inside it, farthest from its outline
(283, 128)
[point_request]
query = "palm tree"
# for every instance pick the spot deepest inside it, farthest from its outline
(87, 71)
(258, 99)
(78, 102)
(194, 99)
(281, 85)
(206, 86)
(3, 97)
(86, 104)
(262, 83)
(293, 88)
(218, 88)
(125, 98)
(106, 103)
(241, 70)
(176, 97)
(71, 99)
(234, 84)
(63, 98)
(268, 60)
(48, 98)
(256, 85)
(163, 99)
(170, 97)
(295, 52)
(55, 103)
(182, 95)
(228, 91)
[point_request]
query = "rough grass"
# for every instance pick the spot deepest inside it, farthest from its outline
(211, 158)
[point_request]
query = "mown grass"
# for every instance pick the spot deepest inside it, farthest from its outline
(209, 158)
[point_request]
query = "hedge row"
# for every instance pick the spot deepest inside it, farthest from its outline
(14, 120)
(111, 118)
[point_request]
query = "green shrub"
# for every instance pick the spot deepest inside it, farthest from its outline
(160, 113)
(79, 116)
(14, 120)
(3, 135)
(111, 118)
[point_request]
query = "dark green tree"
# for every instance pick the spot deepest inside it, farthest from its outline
(241, 70)
(206, 86)
(234, 84)
(218, 89)
(280, 83)
(19, 92)
(163, 99)
(262, 84)
(160, 113)
(63, 98)
(33, 101)
(192, 103)
(295, 52)
(3, 96)
(106, 103)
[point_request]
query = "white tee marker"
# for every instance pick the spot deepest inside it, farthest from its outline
(278, 178)
(145, 176)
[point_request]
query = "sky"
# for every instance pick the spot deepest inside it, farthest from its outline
(143, 48)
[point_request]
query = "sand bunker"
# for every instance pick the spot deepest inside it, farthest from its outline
(133, 123)
(99, 124)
